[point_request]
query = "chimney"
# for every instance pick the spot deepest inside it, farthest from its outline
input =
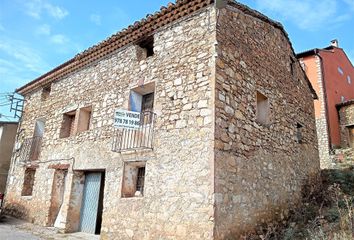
(219, 4)
(334, 43)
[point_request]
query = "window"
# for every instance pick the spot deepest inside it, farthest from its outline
(292, 66)
(37, 139)
(84, 119)
(299, 133)
(133, 179)
(68, 125)
(145, 48)
(147, 103)
(340, 70)
(142, 100)
(28, 182)
(262, 111)
(349, 80)
(46, 92)
(140, 181)
(75, 122)
(350, 135)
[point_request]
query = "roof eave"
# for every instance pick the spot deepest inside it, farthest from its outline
(131, 34)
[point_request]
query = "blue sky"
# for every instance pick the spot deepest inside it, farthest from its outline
(37, 35)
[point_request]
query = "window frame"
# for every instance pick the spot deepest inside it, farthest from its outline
(133, 185)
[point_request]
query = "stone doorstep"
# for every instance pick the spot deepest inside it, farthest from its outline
(46, 232)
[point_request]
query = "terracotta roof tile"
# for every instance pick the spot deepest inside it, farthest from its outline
(130, 34)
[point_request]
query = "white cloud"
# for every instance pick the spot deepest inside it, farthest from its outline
(43, 30)
(59, 39)
(307, 15)
(35, 8)
(14, 75)
(5, 65)
(350, 3)
(18, 52)
(342, 18)
(96, 19)
(56, 11)
(32, 9)
(8, 68)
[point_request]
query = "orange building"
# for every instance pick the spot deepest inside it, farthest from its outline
(332, 76)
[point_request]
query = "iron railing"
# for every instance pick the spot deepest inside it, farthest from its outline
(126, 139)
(30, 149)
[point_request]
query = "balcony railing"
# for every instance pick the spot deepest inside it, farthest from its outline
(126, 139)
(30, 149)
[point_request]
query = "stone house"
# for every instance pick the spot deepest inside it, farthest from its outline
(346, 120)
(7, 140)
(330, 72)
(224, 142)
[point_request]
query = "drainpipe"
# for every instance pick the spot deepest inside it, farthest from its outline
(317, 53)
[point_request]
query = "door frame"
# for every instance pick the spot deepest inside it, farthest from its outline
(100, 199)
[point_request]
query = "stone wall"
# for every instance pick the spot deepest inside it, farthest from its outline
(214, 171)
(260, 169)
(346, 118)
(177, 200)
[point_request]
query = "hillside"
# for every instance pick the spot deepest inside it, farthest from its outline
(327, 213)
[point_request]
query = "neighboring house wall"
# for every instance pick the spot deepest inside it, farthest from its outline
(7, 140)
(313, 70)
(337, 87)
(260, 169)
(331, 75)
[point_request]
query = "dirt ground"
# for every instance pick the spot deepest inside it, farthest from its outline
(15, 229)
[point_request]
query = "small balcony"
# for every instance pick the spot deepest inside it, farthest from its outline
(128, 139)
(30, 149)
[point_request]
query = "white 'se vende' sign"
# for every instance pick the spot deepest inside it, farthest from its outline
(126, 119)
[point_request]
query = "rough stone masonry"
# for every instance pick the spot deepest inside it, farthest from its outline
(346, 117)
(232, 137)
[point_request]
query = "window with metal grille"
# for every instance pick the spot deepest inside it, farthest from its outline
(133, 179)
